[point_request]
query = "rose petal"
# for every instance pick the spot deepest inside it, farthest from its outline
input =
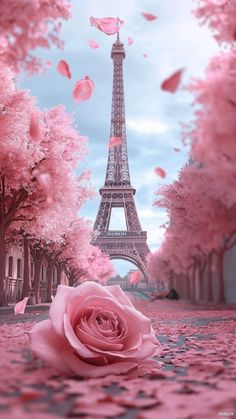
(47, 345)
(34, 128)
(20, 307)
(130, 41)
(58, 307)
(75, 342)
(64, 69)
(98, 344)
(115, 142)
(160, 172)
(172, 83)
(83, 89)
(93, 44)
(135, 277)
(90, 371)
(117, 292)
(108, 25)
(149, 16)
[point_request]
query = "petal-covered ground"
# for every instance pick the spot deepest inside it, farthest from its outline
(196, 379)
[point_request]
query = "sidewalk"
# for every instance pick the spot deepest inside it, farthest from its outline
(28, 309)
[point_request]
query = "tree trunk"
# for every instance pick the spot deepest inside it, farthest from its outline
(59, 272)
(49, 281)
(26, 279)
(201, 279)
(220, 278)
(171, 282)
(3, 300)
(37, 271)
(209, 278)
(71, 278)
(188, 291)
(193, 284)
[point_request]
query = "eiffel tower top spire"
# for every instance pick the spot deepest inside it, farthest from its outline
(117, 173)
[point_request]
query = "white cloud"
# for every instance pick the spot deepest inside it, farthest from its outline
(147, 126)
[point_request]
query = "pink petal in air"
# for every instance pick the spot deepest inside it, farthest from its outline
(20, 307)
(45, 182)
(83, 89)
(135, 277)
(108, 25)
(64, 69)
(149, 16)
(93, 44)
(145, 55)
(130, 41)
(34, 128)
(115, 142)
(177, 149)
(172, 83)
(160, 172)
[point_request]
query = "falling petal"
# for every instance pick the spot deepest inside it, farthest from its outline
(20, 307)
(93, 44)
(160, 172)
(135, 277)
(177, 149)
(172, 83)
(145, 55)
(45, 182)
(115, 142)
(130, 41)
(64, 69)
(34, 128)
(83, 89)
(108, 25)
(149, 16)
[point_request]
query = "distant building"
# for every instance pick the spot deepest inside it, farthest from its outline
(15, 274)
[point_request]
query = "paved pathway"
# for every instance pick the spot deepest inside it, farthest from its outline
(196, 378)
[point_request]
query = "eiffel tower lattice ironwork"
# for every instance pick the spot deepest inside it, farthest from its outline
(117, 192)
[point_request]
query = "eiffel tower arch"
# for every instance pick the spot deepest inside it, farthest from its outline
(117, 192)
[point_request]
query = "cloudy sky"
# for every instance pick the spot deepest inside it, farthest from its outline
(173, 41)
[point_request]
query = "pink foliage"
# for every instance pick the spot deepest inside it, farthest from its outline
(64, 69)
(212, 136)
(82, 261)
(97, 329)
(220, 16)
(108, 25)
(27, 25)
(83, 89)
(39, 153)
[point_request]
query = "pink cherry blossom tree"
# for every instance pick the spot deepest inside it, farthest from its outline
(26, 25)
(202, 203)
(81, 260)
(38, 158)
(192, 235)
(220, 16)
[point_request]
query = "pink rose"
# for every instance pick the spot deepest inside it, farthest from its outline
(93, 331)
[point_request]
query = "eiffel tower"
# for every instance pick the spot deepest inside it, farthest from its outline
(117, 192)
